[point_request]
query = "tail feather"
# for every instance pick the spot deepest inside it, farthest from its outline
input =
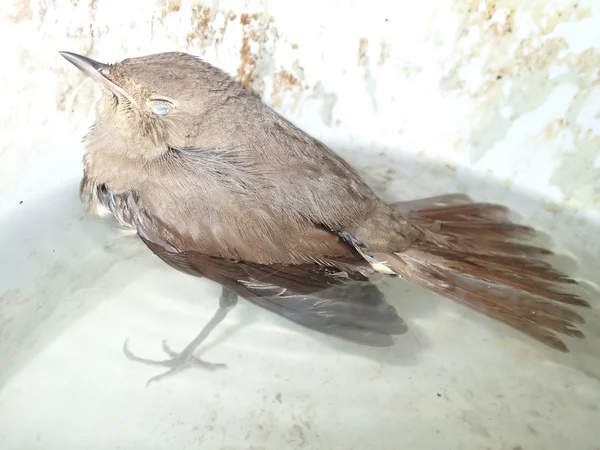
(424, 204)
(540, 283)
(471, 228)
(475, 211)
(502, 248)
(526, 265)
(475, 256)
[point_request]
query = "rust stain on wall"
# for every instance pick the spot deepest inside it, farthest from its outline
(258, 29)
(283, 82)
(505, 57)
(201, 18)
(363, 43)
(540, 58)
(246, 19)
(168, 7)
(247, 58)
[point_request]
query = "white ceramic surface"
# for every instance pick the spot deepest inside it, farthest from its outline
(496, 98)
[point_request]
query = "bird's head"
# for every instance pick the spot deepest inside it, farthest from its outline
(154, 103)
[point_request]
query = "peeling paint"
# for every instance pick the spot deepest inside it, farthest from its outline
(522, 49)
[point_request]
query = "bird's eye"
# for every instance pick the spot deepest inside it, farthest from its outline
(160, 107)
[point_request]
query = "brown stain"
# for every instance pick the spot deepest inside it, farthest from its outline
(93, 4)
(363, 44)
(384, 52)
(539, 58)
(501, 61)
(502, 29)
(527, 66)
(246, 19)
(551, 131)
(283, 82)
(201, 18)
(168, 7)
(254, 30)
(490, 9)
(510, 21)
(247, 63)
(481, 17)
(203, 30)
(473, 7)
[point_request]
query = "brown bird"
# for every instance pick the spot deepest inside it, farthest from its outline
(219, 185)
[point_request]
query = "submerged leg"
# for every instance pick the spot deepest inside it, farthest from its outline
(186, 359)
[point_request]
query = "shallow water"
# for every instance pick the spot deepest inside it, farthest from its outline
(456, 380)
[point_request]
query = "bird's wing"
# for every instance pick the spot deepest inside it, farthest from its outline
(334, 301)
(334, 297)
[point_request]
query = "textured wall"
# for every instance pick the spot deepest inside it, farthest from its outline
(508, 89)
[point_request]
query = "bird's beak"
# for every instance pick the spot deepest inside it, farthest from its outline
(97, 71)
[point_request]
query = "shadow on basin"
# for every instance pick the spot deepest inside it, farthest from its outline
(52, 256)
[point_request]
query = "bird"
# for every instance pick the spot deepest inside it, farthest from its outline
(219, 185)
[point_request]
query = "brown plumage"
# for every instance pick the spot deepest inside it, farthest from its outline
(219, 185)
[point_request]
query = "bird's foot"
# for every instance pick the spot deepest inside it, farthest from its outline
(177, 362)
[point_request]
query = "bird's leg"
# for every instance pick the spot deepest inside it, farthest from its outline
(186, 359)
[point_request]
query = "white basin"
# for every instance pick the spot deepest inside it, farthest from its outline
(410, 95)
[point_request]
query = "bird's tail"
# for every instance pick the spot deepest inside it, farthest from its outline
(475, 255)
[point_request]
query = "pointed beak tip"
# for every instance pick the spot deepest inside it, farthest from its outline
(97, 71)
(83, 62)
(69, 56)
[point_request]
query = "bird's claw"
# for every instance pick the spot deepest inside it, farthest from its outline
(177, 362)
